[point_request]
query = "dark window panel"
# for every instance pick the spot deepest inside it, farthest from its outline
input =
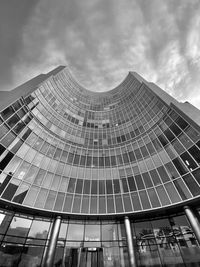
(192, 184)
(185, 141)
(8, 139)
(144, 199)
(195, 152)
(155, 177)
(124, 184)
(139, 182)
(71, 185)
(95, 161)
(163, 140)
(180, 166)
(6, 160)
(174, 197)
(169, 135)
(89, 161)
(116, 186)
(172, 172)
(21, 193)
(196, 174)
(182, 189)
(193, 134)
(138, 154)
(17, 105)
(79, 186)
(131, 156)
(125, 158)
(175, 129)
(26, 134)
(102, 204)
(163, 195)
(83, 160)
(93, 204)
(94, 187)
(76, 204)
(19, 127)
(153, 198)
(109, 188)
(107, 161)
(113, 161)
(10, 191)
(13, 120)
(119, 160)
(163, 174)
(2, 149)
(86, 189)
(6, 113)
(144, 151)
(189, 162)
(127, 203)
(119, 205)
(181, 123)
(147, 179)
(110, 204)
(136, 201)
(85, 204)
(131, 183)
(3, 130)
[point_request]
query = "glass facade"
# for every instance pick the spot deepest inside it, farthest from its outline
(68, 151)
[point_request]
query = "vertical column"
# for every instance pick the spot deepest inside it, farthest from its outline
(194, 222)
(131, 251)
(49, 257)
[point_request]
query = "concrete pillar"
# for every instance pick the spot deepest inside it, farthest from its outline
(51, 249)
(131, 250)
(194, 222)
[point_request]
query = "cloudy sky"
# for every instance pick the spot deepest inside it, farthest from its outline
(101, 40)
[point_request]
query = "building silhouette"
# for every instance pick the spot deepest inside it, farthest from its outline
(108, 179)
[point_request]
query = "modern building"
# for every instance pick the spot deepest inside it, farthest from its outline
(91, 179)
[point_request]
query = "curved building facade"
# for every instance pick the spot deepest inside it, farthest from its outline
(106, 179)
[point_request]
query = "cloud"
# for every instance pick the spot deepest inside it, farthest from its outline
(102, 40)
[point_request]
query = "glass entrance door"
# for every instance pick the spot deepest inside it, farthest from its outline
(91, 257)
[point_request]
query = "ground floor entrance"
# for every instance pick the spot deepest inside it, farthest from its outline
(83, 257)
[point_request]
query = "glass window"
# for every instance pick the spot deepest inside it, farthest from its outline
(127, 202)
(192, 184)
(92, 232)
(21, 193)
(153, 197)
(31, 196)
(19, 227)
(182, 189)
(163, 174)
(41, 198)
(50, 200)
(59, 201)
(109, 232)
(39, 229)
(118, 202)
(110, 204)
(139, 182)
(163, 195)
(136, 201)
(195, 152)
(147, 179)
(75, 231)
(172, 192)
(102, 204)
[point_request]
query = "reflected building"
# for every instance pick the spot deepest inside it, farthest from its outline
(106, 179)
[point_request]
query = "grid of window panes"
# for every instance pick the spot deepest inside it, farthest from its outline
(159, 242)
(154, 164)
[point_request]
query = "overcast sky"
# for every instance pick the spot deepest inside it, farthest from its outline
(101, 40)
